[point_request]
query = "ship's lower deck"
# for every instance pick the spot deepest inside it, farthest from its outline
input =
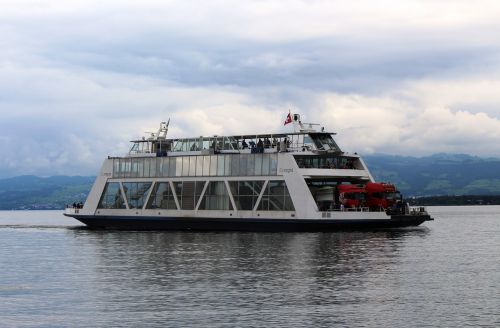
(238, 224)
(238, 192)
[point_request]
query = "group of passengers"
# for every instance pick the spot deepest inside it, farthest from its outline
(76, 205)
(255, 147)
(264, 144)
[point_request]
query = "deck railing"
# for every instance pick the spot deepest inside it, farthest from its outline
(71, 210)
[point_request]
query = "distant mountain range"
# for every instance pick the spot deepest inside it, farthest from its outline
(439, 174)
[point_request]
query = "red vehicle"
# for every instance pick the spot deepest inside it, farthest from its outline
(352, 196)
(381, 195)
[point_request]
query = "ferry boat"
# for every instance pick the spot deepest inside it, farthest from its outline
(297, 181)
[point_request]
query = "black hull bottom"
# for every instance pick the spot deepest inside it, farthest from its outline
(215, 224)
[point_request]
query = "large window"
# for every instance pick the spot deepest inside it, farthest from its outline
(245, 193)
(213, 165)
(216, 197)
(162, 197)
(324, 141)
(152, 167)
(235, 165)
(206, 166)
(112, 196)
(125, 166)
(163, 166)
(188, 193)
(172, 163)
(276, 198)
(134, 173)
(220, 164)
(178, 166)
(136, 193)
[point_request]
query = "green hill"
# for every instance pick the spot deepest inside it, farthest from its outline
(31, 192)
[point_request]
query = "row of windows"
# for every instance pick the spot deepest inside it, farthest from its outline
(188, 194)
(327, 162)
(196, 166)
(226, 143)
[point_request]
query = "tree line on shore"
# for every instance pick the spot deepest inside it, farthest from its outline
(455, 200)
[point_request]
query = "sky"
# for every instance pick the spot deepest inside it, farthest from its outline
(80, 78)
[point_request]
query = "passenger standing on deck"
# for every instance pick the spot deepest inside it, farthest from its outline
(267, 143)
(260, 146)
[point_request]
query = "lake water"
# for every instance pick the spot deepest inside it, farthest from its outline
(446, 273)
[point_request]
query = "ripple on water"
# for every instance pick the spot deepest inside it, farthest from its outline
(446, 273)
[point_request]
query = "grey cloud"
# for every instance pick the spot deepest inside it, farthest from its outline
(77, 83)
(321, 65)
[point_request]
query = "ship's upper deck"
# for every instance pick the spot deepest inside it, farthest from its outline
(314, 152)
(305, 138)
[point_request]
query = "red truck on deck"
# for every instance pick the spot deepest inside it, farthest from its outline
(351, 195)
(381, 195)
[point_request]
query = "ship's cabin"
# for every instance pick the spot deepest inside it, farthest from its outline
(305, 138)
(237, 155)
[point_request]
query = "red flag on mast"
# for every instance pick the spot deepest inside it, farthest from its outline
(288, 119)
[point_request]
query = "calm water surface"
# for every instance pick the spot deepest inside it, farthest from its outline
(446, 273)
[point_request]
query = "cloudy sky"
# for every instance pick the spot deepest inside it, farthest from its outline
(79, 78)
